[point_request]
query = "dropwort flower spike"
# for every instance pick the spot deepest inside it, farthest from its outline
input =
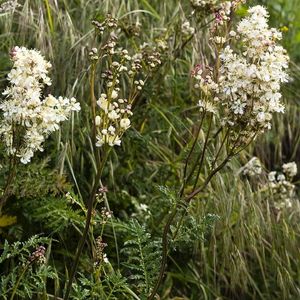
(246, 92)
(28, 117)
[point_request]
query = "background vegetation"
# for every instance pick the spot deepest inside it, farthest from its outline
(232, 245)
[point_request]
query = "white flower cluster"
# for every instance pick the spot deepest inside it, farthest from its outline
(203, 3)
(114, 108)
(27, 118)
(282, 188)
(108, 23)
(222, 7)
(187, 29)
(246, 87)
(9, 6)
(249, 83)
(253, 167)
(279, 185)
(113, 118)
(222, 14)
(290, 169)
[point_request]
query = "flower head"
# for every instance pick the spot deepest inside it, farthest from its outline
(248, 82)
(28, 117)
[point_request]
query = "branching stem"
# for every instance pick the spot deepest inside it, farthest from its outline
(82, 241)
(172, 216)
(90, 203)
(11, 175)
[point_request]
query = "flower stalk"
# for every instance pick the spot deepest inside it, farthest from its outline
(241, 90)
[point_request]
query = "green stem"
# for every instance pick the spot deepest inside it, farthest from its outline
(90, 202)
(82, 241)
(208, 179)
(213, 165)
(203, 152)
(19, 280)
(49, 16)
(11, 175)
(190, 154)
(219, 151)
(164, 252)
(170, 220)
(93, 105)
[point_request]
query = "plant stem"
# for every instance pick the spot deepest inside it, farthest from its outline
(11, 175)
(93, 105)
(173, 214)
(203, 152)
(190, 154)
(208, 179)
(213, 165)
(82, 241)
(49, 16)
(164, 252)
(90, 202)
(220, 148)
(19, 280)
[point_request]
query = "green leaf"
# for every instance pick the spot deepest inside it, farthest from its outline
(6, 220)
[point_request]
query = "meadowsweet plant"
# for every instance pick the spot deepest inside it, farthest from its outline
(245, 90)
(29, 117)
(249, 83)
(111, 104)
(147, 197)
(239, 92)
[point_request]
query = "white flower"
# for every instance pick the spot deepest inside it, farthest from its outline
(219, 40)
(249, 82)
(187, 29)
(111, 129)
(9, 6)
(290, 169)
(238, 107)
(261, 117)
(144, 207)
(272, 176)
(24, 110)
(114, 94)
(100, 141)
(253, 167)
(280, 177)
(125, 123)
(203, 3)
(105, 259)
(97, 120)
(113, 115)
(103, 103)
(113, 140)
